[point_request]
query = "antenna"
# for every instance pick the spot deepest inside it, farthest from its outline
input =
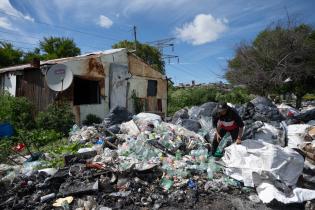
(59, 77)
(165, 43)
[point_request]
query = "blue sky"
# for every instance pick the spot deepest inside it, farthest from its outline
(206, 31)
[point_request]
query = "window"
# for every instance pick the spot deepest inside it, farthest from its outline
(152, 88)
(86, 91)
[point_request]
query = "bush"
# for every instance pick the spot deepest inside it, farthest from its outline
(58, 117)
(187, 97)
(16, 110)
(92, 119)
(309, 97)
(236, 96)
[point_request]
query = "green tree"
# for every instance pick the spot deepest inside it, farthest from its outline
(280, 59)
(58, 47)
(9, 55)
(30, 55)
(149, 54)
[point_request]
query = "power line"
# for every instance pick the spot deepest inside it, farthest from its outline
(64, 27)
(184, 71)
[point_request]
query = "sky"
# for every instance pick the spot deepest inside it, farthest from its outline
(207, 32)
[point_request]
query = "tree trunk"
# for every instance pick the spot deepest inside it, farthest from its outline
(298, 102)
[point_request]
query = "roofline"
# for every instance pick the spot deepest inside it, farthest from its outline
(61, 60)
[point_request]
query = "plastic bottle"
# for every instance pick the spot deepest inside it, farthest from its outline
(210, 173)
(222, 144)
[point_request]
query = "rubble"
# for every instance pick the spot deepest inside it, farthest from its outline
(140, 161)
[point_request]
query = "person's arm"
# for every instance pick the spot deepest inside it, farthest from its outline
(216, 125)
(240, 124)
(240, 134)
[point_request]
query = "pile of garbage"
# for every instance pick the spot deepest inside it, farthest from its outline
(142, 161)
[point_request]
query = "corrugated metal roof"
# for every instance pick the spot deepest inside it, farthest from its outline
(61, 60)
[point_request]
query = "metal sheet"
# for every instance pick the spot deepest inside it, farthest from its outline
(118, 85)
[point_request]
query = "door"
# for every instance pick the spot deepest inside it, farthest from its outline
(118, 80)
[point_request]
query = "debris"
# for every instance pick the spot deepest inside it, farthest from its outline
(47, 197)
(254, 198)
(268, 192)
(180, 115)
(120, 194)
(306, 116)
(192, 125)
(95, 165)
(60, 201)
(117, 115)
(287, 111)
(76, 158)
(76, 187)
(130, 127)
(166, 184)
(84, 134)
(297, 134)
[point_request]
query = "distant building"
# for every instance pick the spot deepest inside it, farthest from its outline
(101, 81)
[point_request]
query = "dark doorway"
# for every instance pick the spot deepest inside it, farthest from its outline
(86, 91)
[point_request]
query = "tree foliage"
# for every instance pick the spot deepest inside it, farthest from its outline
(9, 55)
(58, 117)
(58, 47)
(278, 54)
(16, 110)
(149, 54)
(179, 98)
(49, 48)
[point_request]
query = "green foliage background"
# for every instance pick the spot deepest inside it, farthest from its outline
(179, 98)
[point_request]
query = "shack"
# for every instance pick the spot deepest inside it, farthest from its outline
(101, 80)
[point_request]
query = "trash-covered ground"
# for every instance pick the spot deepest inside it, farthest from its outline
(143, 162)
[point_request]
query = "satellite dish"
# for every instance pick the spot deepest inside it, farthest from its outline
(59, 77)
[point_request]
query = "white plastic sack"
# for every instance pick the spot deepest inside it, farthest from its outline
(287, 111)
(312, 122)
(129, 128)
(143, 119)
(49, 171)
(267, 192)
(255, 157)
(296, 134)
(268, 133)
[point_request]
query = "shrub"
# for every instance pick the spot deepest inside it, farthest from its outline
(187, 97)
(58, 117)
(92, 119)
(16, 110)
(236, 96)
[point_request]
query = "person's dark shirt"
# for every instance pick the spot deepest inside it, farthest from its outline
(230, 121)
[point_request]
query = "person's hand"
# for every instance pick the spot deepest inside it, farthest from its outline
(218, 137)
(238, 140)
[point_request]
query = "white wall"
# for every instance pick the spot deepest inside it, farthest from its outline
(96, 109)
(10, 83)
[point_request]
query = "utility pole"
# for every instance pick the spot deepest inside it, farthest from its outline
(135, 36)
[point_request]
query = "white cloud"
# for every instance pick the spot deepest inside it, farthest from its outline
(5, 23)
(105, 22)
(6, 7)
(203, 29)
